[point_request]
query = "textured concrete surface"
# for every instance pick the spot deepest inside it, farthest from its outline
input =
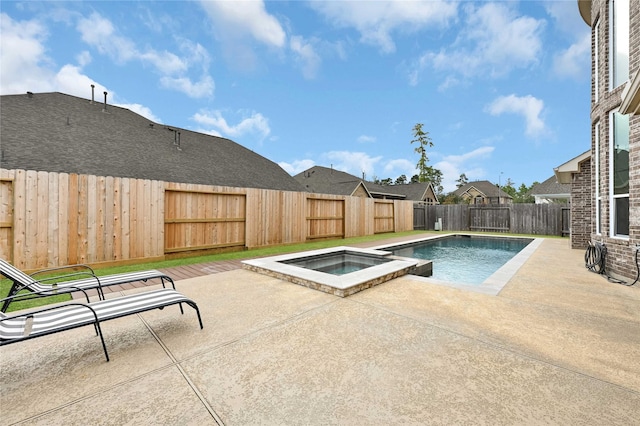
(558, 345)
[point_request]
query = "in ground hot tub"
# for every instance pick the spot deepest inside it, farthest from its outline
(341, 271)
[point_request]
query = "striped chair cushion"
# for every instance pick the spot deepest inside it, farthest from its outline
(76, 314)
(17, 275)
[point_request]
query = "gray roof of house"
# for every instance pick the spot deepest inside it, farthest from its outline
(551, 187)
(56, 132)
(324, 180)
(487, 188)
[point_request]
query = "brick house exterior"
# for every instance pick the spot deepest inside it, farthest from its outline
(615, 129)
(581, 208)
(577, 174)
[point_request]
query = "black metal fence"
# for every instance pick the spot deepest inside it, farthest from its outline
(536, 219)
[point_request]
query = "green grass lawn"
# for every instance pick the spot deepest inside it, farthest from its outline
(5, 284)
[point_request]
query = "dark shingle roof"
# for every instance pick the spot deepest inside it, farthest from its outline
(56, 132)
(324, 180)
(551, 187)
(487, 188)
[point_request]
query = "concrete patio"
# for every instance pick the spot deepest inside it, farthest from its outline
(558, 345)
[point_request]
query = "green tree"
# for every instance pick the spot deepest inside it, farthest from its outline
(462, 181)
(415, 179)
(386, 181)
(434, 176)
(423, 140)
(452, 198)
(401, 180)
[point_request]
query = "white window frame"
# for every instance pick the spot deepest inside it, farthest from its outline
(596, 61)
(612, 196)
(597, 180)
(614, 24)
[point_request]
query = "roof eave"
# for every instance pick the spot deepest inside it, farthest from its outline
(565, 171)
(631, 96)
(584, 6)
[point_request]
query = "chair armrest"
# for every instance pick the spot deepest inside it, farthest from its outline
(40, 294)
(84, 267)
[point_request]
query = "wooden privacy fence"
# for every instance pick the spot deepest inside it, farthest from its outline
(537, 219)
(55, 219)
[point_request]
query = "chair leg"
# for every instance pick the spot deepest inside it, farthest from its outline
(104, 346)
(12, 292)
(194, 306)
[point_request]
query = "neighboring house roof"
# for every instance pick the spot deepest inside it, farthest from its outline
(56, 132)
(551, 188)
(483, 186)
(324, 180)
(565, 171)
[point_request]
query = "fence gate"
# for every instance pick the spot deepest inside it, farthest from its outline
(201, 220)
(419, 217)
(325, 218)
(6, 219)
(495, 219)
(383, 217)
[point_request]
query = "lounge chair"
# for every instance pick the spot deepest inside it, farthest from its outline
(80, 277)
(51, 319)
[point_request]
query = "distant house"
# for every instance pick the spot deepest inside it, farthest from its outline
(324, 180)
(56, 132)
(483, 192)
(551, 191)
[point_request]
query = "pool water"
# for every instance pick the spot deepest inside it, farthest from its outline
(337, 264)
(464, 259)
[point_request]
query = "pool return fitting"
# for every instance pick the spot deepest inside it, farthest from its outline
(595, 261)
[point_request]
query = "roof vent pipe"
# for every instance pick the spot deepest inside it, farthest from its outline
(30, 94)
(105, 101)
(93, 86)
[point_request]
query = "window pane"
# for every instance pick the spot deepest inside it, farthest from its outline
(620, 154)
(622, 216)
(620, 47)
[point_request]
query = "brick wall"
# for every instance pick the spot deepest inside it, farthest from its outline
(581, 211)
(621, 251)
(620, 259)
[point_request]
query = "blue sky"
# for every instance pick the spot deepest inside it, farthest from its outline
(502, 87)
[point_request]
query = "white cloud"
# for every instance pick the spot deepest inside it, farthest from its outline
(165, 62)
(306, 56)
(254, 124)
(298, 166)
(101, 34)
(366, 139)
(376, 21)
(251, 18)
(495, 40)
(142, 110)
(574, 62)
(24, 65)
(470, 163)
(354, 163)
(527, 106)
(395, 168)
(200, 89)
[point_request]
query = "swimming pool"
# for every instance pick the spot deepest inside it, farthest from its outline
(340, 263)
(341, 271)
(475, 262)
